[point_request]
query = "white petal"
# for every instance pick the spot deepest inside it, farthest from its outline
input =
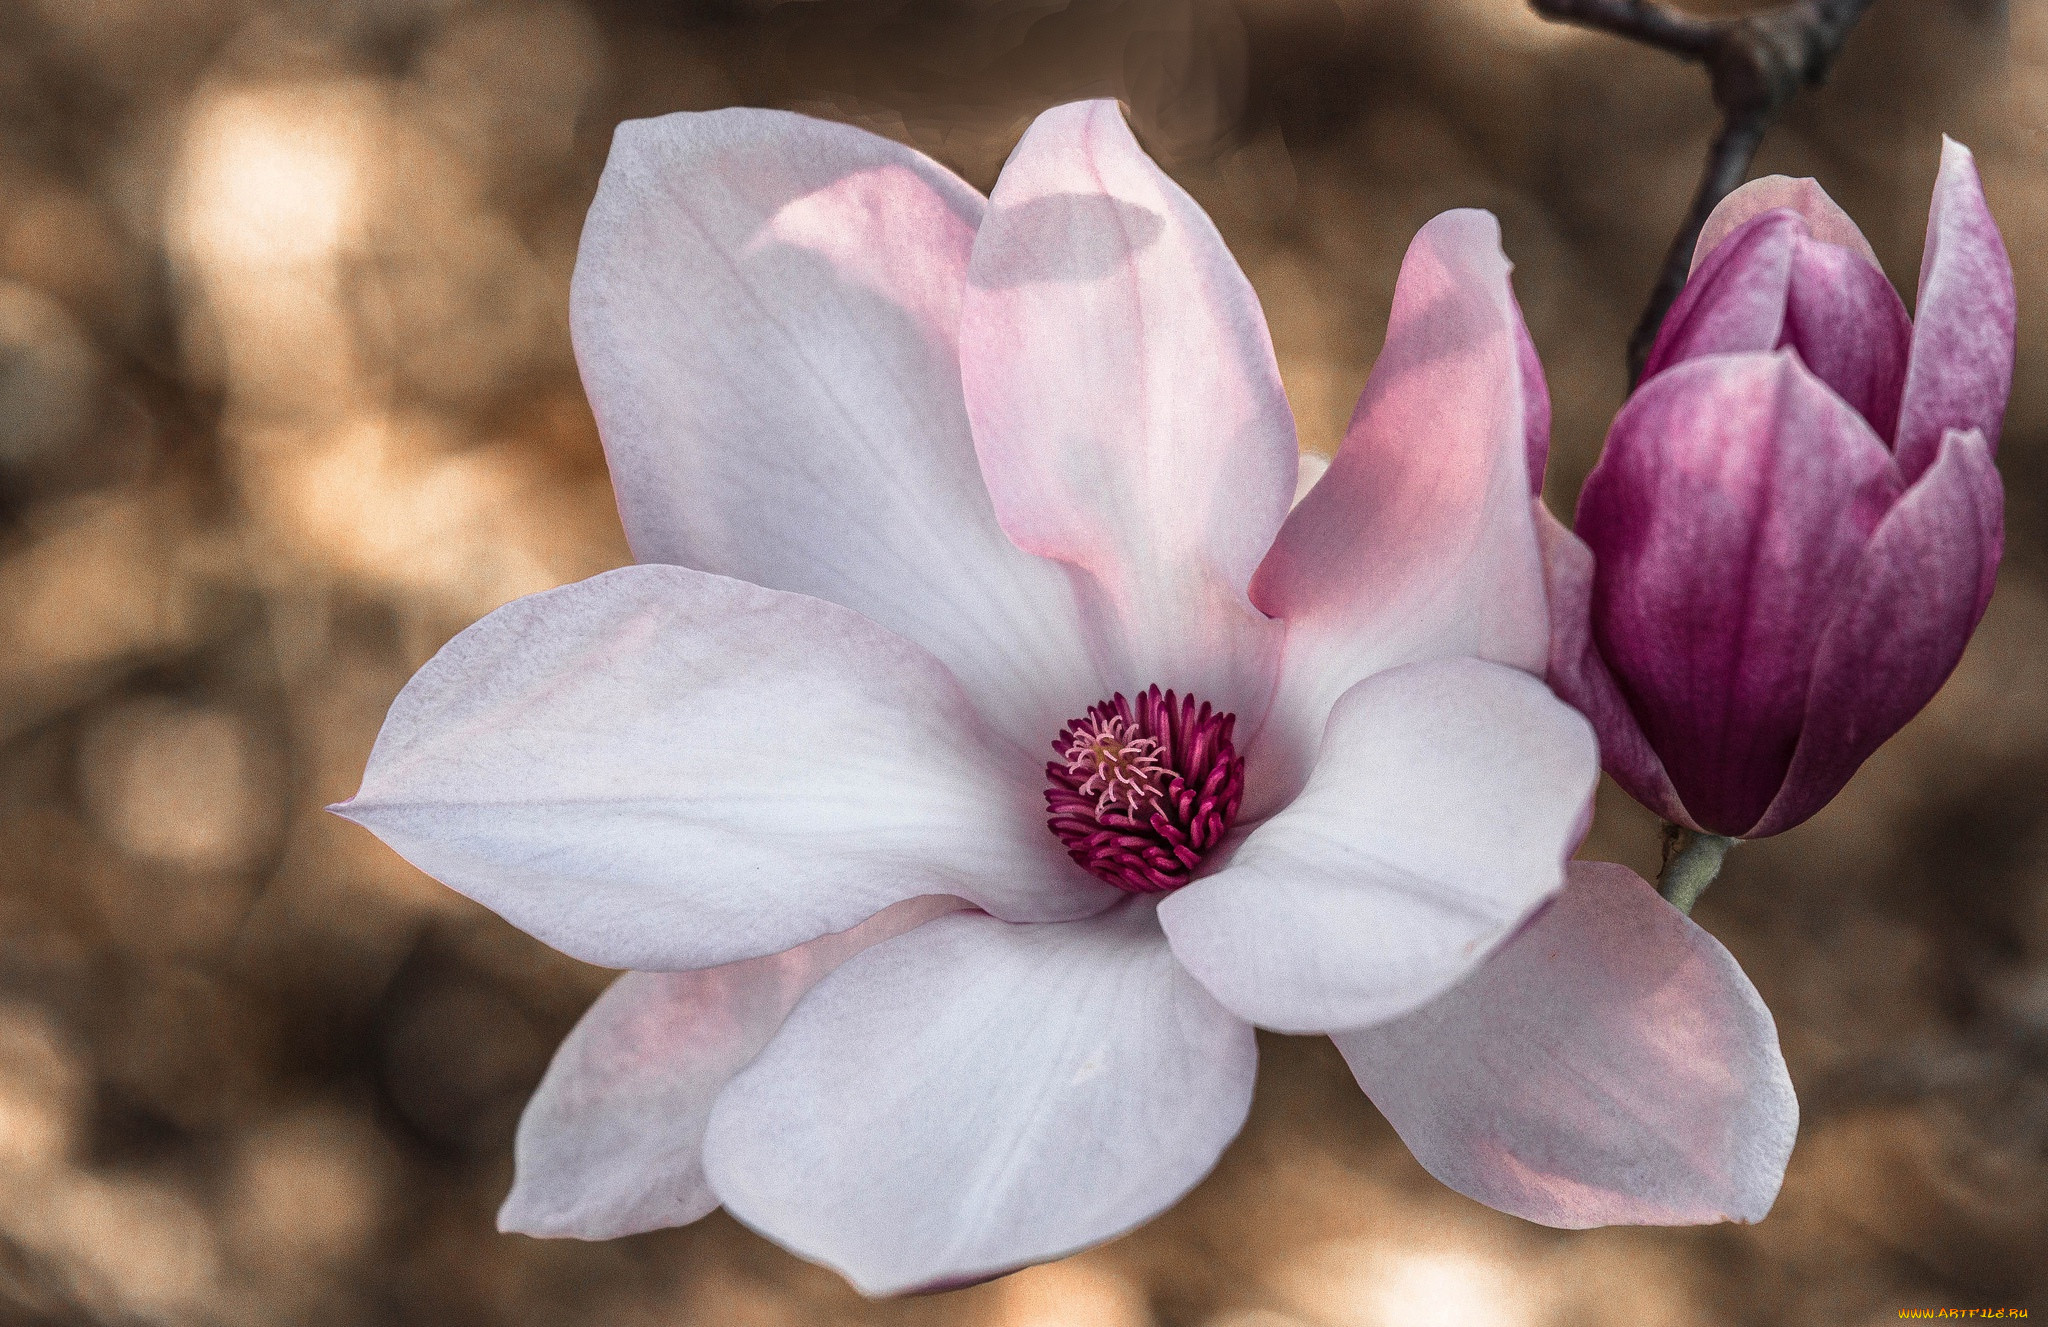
(662, 769)
(1418, 543)
(1440, 813)
(1609, 1065)
(612, 1142)
(977, 1096)
(766, 310)
(1126, 404)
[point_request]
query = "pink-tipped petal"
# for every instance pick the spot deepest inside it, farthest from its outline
(1126, 404)
(1726, 517)
(1417, 544)
(1797, 274)
(1963, 328)
(612, 1142)
(1850, 328)
(1780, 265)
(975, 1096)
(1609, 1065)
(1447, 796)
(1825, 220)
(663, 769)
(1735, 299)
(1918, 594)
(766, 311)
(1581, 679)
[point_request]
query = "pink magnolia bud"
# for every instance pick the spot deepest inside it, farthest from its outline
(1796, 522)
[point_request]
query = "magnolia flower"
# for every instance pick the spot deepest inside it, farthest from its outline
(1795, 524)
(927, 488)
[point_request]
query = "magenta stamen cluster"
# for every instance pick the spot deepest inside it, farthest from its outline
(1141, 792)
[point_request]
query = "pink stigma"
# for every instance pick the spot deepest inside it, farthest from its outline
(1141, 792)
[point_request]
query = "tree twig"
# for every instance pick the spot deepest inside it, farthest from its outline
(1756, 65)
(1645, 21)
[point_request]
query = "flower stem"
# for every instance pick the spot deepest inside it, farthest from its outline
(1691, 861)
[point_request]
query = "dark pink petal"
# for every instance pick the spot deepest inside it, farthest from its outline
(1961, 369)
(612, 1142)
(1735, 298)
(766, 311)
(1780, 265)
(1535, 403)
(1609, 1065)
(1579, 675)
(1825, 221)
(662, 769)
(1126, 404)
(1850, 328)
(1918, 593)
(1726, 519)
(1417, 542)
(976, 1096)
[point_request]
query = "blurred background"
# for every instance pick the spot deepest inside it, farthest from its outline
(286, 399)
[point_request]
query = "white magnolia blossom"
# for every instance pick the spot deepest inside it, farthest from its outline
(925, 487)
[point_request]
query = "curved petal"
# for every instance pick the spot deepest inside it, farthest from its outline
(1417, 544)
(1446, 799)
(612, 1142)
(1609, 1065)
(1850, 328)
(1126, 404)
(1825, 220)
(1963, 329)
(1726, 517)
(1780, 265)
(976, 1096)
(1580, 677)
(1918, 594)
(1734, 300)
(766, 311)
(1535, 404)
(662, 769)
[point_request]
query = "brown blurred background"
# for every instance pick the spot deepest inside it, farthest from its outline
(286, 399)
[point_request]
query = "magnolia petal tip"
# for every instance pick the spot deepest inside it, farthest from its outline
(1611, 1066)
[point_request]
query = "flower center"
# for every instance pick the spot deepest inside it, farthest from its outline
(1142, 791)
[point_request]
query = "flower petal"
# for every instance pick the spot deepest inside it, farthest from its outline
(1781, 265)
(766, 312)
(1850, 328)
(1726, 518)
(975, 1096)
(661, 769)
(1126, 404)
(612, 1142)
(1609, 1065)
(1446, 799)
(1918, 594)
(1961, 369)
(1825, 220)
(1735, 298)
(1535, 404)
(1313, 468)
(1580, 677)
(1418, 542)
